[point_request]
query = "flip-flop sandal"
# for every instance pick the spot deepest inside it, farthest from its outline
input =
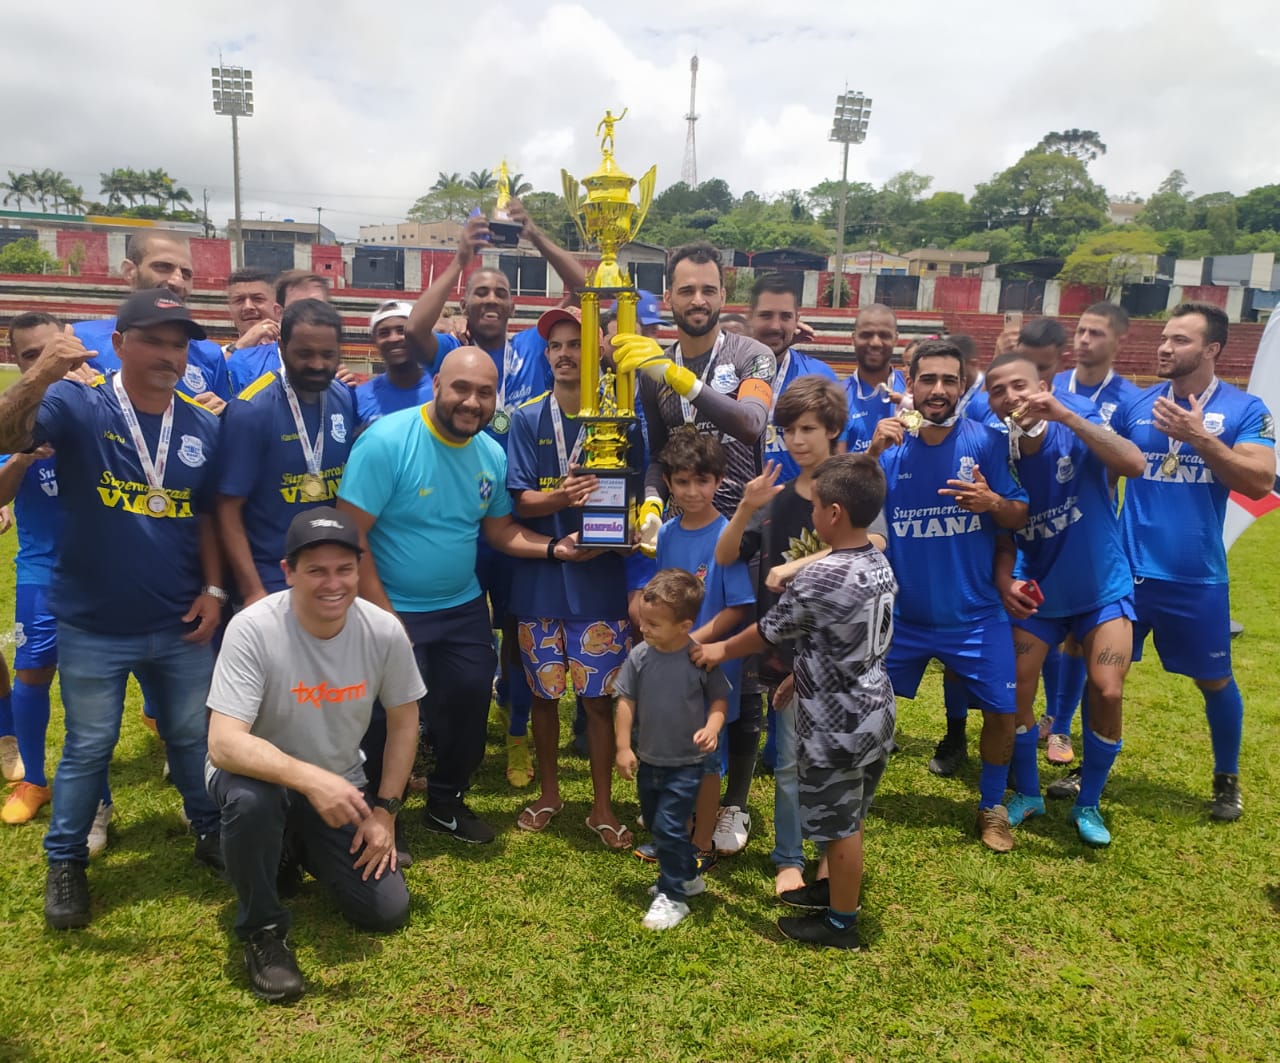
(611, 836)
(531, 824)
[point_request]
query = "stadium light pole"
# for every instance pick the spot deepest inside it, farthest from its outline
(848, 126)
(233, 95)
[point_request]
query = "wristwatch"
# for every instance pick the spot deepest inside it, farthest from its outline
(230, 349)
(216, 592)
(551, 547)
(391, 804)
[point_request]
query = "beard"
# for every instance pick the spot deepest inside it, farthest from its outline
(450, 421)
(682, 323)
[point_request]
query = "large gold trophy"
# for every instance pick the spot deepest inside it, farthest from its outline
(607, 217)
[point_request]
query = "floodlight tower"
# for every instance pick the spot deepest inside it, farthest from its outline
(849, 126)
(689, 171)
(233, 95)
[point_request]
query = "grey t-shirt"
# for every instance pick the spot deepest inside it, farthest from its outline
(671, 695)
(312, 698)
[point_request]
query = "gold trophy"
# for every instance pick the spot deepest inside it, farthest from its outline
(608, 218)
(504, 231)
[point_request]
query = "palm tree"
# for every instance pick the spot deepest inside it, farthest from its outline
(446, 182)
(17, 188)
(44, 186)
(481, 182)
(519, 186)
(175, 195)
(69, 196)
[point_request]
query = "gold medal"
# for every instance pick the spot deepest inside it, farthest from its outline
(312, 488)
(771, 437)
(1169, 467)
(501, 422)
(913, 420)
(157, 503)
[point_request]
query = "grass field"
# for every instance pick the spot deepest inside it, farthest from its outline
(1161, 948)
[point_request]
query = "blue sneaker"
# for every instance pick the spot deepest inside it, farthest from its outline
(1022, 807)
(648, 852)
(1088, 821)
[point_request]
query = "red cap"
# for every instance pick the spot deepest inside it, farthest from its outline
(555, 315)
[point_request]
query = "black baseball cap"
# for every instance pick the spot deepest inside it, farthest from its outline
(315, 527)
(156, 306)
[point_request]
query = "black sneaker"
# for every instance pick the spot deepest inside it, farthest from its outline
(273, 972)
(1227, 804)
(816, 930)
(1065, 789)
(706, 859)
(208, 851)
(950, 754)
(814, 895)
(66, 896)
(458, 822)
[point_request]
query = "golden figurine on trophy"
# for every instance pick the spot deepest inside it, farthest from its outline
(504, 231)
(608, 218)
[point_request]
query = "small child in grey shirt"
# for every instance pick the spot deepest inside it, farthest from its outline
(680, 710)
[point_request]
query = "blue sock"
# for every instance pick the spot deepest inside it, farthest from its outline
(1225, 710)
(841, 920)
(992, 783)
(147, 710)
(1050, 670)
(6, 715)
(521, 704)
(1025, 765)
(1071, 679)
(1095, 765)
(106, 792)
(30, 722)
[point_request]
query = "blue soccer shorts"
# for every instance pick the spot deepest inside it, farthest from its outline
(35, 632)
(1191, 623)
(982, 656)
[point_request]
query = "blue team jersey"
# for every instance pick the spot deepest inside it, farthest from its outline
(588, 590)
(1173, 524)
(1109, 396)
(428, 497)
(378, 396)
(974, 404)
(262, 462)
(120, 570)
(724, 587)
(530, 372)
(1071, 544)
(797, 365)
(206, 367)
(867, 408)
(247, 364)
(941, 554)
(1075, 403)
(39, 519)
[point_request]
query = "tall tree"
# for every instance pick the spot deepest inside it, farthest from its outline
(447, 181)
(1082, 144)
(1169, 206)
(17, 189)
(1259, 208)
(482, 183)
(1049, 194)
(519, 186)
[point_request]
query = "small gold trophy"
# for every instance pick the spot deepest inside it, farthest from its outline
(608, 218)
(504, 231)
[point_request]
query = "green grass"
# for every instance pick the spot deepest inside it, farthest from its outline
(1162, 947)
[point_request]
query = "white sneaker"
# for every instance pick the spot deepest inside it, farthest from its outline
(98, 832)
(733, 827)
(691, 888)
(664, 913)
(11, 766)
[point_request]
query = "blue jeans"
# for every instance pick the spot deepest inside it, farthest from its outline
(788, 850)
(174, 676)
(666, 801)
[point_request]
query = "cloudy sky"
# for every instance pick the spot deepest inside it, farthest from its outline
(360, 105)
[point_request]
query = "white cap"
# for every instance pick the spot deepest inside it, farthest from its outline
(391, 308)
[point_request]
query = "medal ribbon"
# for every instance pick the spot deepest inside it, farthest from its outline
(311, 454)
(1071, 384)
(883, 389)
(685, 406)
(1016, 432)
(154, 472)
(566, 460)
(1175, 445)
(772, 437)
(967, 397)
(508, 356)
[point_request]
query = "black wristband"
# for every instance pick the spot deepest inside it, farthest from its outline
(551, 549)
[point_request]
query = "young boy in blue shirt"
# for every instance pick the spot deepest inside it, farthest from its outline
(839, 614)
(693, 466)
(680, 710)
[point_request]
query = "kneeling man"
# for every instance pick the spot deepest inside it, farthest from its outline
(291, 697)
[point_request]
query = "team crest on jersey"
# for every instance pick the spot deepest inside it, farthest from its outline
(1214, 423)
(486, 488)
(191, 452)
(338, 428)
(1066, 469)
(1105, 410)
(1268, 429)
(724, 379)
(194, 379)
(19, 636)
(965, 472)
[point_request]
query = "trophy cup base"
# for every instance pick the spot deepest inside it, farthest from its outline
(606, 515)
(505, 233)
